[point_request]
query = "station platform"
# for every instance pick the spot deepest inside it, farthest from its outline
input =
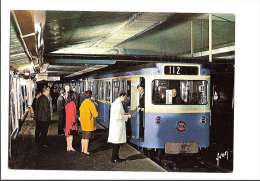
(26, 155)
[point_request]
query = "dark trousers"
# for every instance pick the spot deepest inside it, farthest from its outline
(61, 122)
(41, 131)
(128, 130)
(141, 125)
(115, 151)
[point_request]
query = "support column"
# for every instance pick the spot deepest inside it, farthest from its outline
(191, 39)
(210, 37)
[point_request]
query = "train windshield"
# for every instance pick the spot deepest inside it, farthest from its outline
(179, 92)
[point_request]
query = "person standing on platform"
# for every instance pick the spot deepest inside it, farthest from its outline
(61, 111)
(117, 126)
(43, 117)
(34, 110)
(82, 97)
(67, 89)
(70, 110)
(88, 115)
(76, 97)
(50, 101)
(140, 89)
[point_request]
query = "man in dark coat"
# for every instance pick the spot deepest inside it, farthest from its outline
(34, 107)
(43, 116)
(176, 98)
(140, 89)
(61, 111)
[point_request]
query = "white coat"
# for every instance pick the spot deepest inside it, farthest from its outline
(117, 126)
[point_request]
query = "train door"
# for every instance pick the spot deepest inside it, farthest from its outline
(128, 105)
(138, 104)
(141, 106)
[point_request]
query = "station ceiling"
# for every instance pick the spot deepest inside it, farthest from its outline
(68, 33)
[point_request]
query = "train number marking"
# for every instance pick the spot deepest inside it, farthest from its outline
(178, 70)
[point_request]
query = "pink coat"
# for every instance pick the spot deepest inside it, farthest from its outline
(70, 110)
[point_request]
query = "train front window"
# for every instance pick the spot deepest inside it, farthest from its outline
(179, 92)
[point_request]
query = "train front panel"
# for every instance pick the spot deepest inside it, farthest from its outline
(169, 124)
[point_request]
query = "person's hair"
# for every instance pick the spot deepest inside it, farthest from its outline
(70, 96)
(62, 90)
(122, 94)
(38, 91)
(44, 89)
(88, 93)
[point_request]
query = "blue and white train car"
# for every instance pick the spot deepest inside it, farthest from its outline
(176, 113)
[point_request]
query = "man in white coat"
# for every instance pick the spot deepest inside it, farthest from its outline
(117, 126)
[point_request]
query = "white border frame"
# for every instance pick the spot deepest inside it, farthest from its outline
(246, 122)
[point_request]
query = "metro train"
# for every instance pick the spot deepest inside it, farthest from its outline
(181, 126)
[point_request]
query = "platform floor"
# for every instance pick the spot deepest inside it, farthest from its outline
(26, 155)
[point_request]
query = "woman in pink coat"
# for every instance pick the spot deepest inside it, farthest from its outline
(70, 111)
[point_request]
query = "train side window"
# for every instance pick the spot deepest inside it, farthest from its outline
(115, 89)
(128, 91)
(101, 90)
(95, 90)
(98, 90)
(105, 91)
(108, 90)
(122, 86)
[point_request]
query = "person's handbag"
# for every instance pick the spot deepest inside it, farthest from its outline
(74, 129)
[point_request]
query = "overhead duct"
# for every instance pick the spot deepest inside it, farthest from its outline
(138, 24)
(89, 68)
(134, 26)
(30, 25)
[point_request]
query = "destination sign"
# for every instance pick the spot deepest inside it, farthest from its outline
(181, 70)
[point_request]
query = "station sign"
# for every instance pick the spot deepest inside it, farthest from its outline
(181, 70)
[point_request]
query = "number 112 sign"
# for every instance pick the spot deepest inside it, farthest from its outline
(181, 70)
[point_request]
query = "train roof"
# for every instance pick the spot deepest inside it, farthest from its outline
(143, 69)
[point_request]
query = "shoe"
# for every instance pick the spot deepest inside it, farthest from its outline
(114, 161)
(119, 160)
(72, 149)
(86, 154)
(45, 146)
